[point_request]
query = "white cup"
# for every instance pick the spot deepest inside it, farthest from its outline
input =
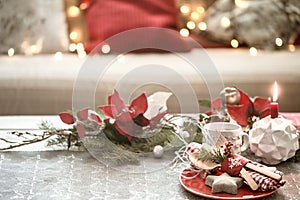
(231, 132)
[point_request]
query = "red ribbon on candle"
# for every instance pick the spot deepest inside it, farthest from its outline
(274, 104)
(274, 110)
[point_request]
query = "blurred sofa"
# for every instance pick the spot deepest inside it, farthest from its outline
(34, 82)
(43, 85)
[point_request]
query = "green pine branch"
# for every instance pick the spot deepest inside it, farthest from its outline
(215, 155)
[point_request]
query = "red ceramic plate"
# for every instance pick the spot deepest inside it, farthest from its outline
(197, 186)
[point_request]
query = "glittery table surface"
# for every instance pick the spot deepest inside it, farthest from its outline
(78, 175)
(39, 172)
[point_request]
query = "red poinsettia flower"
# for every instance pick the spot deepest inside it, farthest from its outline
(128, 120)
(248, 108)
(67, 118)
(81, 120)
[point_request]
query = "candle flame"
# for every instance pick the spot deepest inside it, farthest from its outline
(275, 92)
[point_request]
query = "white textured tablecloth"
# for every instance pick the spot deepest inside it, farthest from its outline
(32, 173)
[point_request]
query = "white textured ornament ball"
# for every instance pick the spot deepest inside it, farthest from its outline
(273, 140)
(158, 151)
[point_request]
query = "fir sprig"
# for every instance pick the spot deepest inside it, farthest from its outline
(214, 155)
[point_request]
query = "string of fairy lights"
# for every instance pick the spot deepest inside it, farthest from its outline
(76, 34)
(74, 13)
(192, 14)
(192, 20)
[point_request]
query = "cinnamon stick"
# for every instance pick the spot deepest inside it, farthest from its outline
(249, 179)
(263, 170)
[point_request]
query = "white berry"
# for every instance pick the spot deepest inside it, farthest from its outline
(158, 151)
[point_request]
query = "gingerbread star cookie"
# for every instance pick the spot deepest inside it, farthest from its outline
(224, 183)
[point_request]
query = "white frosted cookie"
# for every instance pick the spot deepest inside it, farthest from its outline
(224, 183)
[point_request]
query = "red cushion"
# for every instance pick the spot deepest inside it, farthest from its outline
(106, 18)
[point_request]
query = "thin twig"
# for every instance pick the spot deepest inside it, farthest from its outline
(7, 140)
(44, 136)
(25, 143)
